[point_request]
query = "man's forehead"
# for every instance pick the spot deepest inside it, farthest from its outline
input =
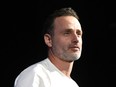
(67, 22)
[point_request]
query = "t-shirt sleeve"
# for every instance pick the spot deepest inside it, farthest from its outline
(27, 79)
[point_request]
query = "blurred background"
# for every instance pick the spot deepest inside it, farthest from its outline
(22, 45)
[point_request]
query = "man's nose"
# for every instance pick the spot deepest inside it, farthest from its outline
(75, 38)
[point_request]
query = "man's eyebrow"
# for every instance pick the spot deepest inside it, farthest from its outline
(69, 29)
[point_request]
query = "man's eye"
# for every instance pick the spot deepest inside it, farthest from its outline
(79, 33)
(67, 33)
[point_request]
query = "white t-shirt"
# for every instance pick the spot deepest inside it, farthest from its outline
(43, 74)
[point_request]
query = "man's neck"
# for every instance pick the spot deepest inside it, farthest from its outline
(64, 66)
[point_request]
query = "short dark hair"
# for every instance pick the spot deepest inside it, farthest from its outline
(49, 23)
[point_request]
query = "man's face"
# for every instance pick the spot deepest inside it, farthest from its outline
(67, 38)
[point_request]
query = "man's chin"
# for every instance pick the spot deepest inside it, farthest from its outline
(73, 59)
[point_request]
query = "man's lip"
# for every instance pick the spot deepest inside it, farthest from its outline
(75, 47)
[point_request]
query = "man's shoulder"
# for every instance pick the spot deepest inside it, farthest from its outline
(35, 67)
(31, 73)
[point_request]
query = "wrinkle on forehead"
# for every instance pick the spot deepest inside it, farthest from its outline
(67, 22)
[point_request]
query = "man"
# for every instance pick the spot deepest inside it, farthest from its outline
(63, 36)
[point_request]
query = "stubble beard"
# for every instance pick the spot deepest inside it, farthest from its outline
(70, 57)
(67, 56)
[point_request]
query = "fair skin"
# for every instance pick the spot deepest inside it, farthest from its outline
(65, 45)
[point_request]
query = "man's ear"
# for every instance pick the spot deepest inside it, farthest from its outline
(47, 39)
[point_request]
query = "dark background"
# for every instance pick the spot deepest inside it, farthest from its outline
(22, 45)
